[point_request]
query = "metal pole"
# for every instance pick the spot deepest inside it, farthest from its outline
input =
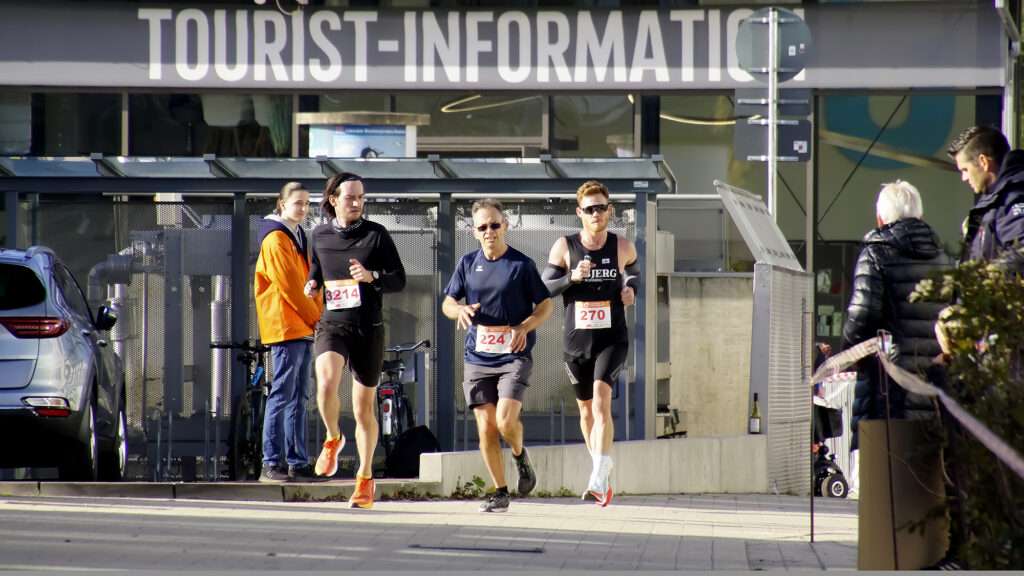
(446, 356)
(206, 440)
(170, 443)
(240, 282)
(551, 420)
(216, 445)
(562, 412)
(773, 102)
(159, 430)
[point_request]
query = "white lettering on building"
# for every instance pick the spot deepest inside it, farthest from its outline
(590, 48)
(475, 45)
(191, 19)
(552, 42)
(649, 41)
(359, 21)
(445, 46)
(268, 40)
(732, 27)
(332, 70)
(687, 19)
(221, 55)
(154, 16)
(615, 48)
(508, 73)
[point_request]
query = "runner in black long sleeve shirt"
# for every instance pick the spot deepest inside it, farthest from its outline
(355, 262)
(370, 244)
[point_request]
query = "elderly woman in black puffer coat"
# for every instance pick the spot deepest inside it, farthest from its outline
(898, 254)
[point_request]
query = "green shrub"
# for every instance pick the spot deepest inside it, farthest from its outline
(986, 341)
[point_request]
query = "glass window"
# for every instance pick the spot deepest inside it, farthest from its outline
(71, 291)
(592, 126)
(461, 114)
(15, 123)
(19, 287)
(225, 124)
(452, 114)
(59, 124)
(460, 123)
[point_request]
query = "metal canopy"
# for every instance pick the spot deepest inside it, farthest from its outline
(611, 169)
(488, 168)
(39, 167)
(405, 176)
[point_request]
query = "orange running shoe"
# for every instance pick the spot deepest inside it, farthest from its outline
(327, 463)
(362, 497)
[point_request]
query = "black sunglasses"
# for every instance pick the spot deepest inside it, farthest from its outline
(601, 208)
(492, 226)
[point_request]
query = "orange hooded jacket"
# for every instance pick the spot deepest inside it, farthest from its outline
(283, 310)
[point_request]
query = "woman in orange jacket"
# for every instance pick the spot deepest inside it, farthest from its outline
(287, 318)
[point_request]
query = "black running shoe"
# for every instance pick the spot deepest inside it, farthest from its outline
(274, 475)
(527, 477)
(496, 503)
(305, 474)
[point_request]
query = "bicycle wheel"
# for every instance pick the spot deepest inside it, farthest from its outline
(245, 455)
(410, 418)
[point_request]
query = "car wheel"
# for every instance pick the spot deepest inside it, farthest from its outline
(80, 462)
(114, 461)
(836, 486)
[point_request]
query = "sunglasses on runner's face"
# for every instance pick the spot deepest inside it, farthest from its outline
(492, 226)
(599, 208)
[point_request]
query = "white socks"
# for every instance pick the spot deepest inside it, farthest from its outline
(602, 467)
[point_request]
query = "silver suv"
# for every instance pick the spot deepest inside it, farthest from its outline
(62, 393)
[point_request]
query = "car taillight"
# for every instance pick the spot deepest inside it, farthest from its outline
(35, 326)
(48, 405)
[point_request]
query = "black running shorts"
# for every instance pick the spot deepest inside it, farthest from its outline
(361, 346)
(583, 372)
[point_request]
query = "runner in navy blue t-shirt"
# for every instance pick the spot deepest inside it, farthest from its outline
(505, 302)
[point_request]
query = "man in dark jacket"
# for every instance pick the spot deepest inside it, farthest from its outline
(898, 254)
(996, 174)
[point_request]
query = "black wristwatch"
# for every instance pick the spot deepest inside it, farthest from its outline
(376, 275)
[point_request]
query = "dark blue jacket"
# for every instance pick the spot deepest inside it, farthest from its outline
(997, 219)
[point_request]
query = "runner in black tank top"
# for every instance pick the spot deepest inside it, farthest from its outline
(594, 314)
(597, 274)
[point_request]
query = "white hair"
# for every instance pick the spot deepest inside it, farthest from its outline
(898, 200)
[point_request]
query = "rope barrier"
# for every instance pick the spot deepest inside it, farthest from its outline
(913, 383)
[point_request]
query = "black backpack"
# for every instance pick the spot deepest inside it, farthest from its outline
(404, 461)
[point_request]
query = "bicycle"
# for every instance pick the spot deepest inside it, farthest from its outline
(245, 441)
(394, 414)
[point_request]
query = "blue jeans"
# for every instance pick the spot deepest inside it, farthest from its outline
(284, 424)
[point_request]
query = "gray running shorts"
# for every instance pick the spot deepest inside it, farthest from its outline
(486, 384)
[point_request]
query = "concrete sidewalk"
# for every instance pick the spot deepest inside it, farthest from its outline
(642, 532)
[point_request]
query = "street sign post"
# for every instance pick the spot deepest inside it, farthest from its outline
(788, 40)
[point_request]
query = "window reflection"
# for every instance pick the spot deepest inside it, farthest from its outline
(59, 124)
(592, 126)
(225, 124)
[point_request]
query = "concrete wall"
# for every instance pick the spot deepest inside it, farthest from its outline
(711, 319)
(727, 464)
